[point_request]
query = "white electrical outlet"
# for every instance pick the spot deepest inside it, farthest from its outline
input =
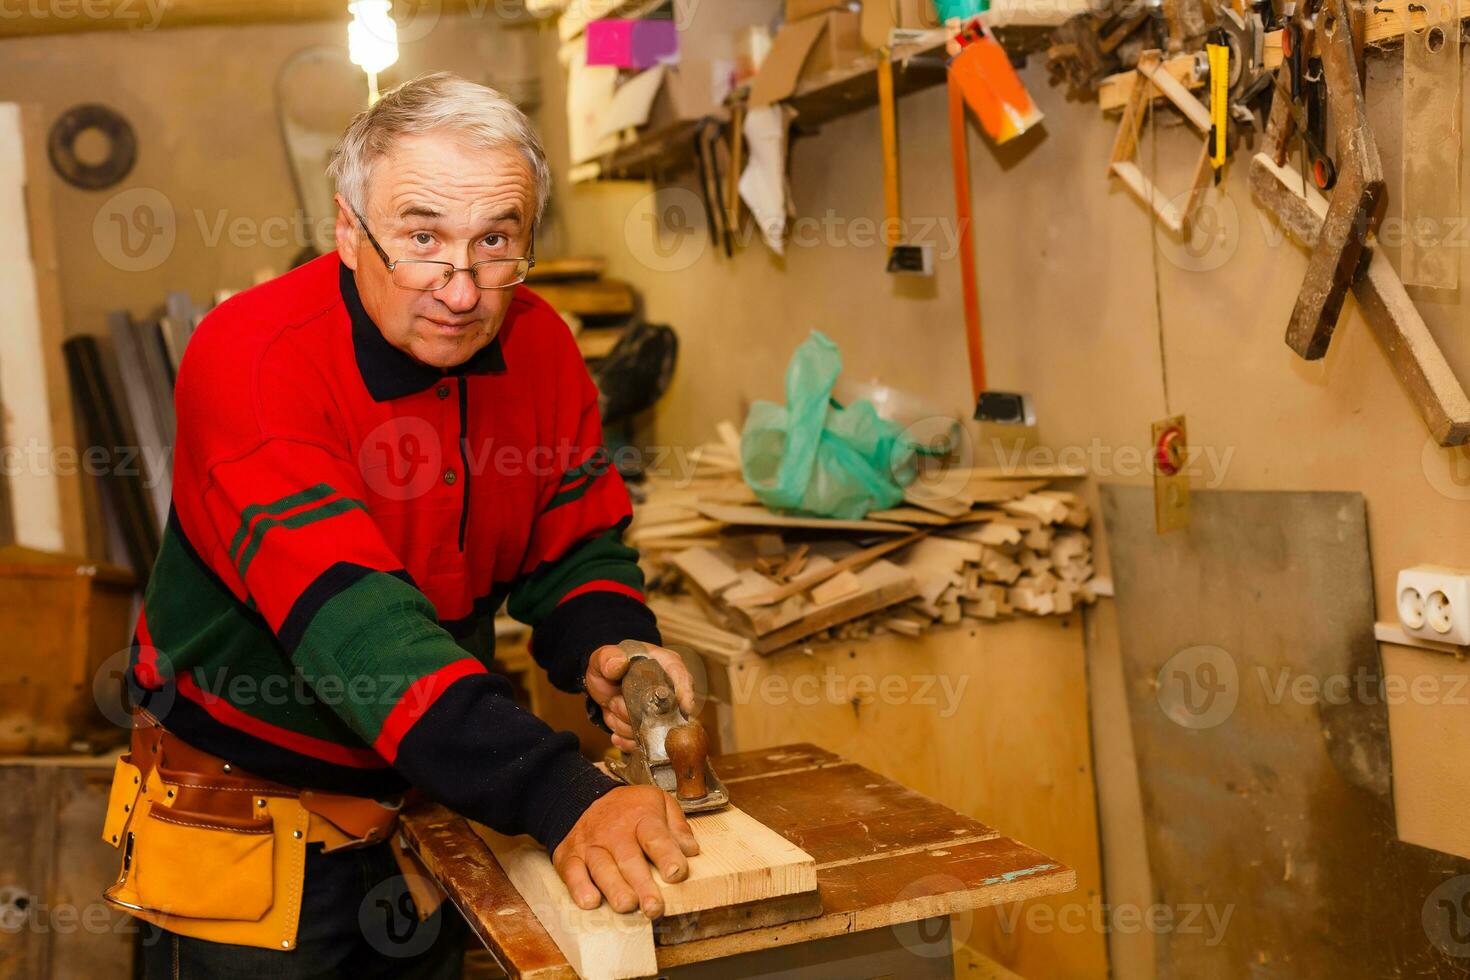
(1434, 603)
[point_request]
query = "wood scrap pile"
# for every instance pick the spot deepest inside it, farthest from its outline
(740, 578)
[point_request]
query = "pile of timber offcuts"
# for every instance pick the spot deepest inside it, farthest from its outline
(729, 576)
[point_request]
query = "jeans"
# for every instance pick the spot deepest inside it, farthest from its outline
(357, 921)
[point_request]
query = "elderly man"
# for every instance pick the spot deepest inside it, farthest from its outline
(374, 451)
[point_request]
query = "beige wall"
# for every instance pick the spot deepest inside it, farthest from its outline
(202, 102)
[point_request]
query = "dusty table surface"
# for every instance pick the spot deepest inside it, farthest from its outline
(885, 855)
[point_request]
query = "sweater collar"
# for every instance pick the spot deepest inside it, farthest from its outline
(388, 372)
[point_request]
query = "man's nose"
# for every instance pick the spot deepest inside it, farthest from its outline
(460, 293)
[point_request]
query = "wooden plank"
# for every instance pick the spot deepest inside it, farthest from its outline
(132, 15)
(740, 861)
(813, 578)
(568, 267)
(27, 421)
(839, 586)
(884, 584)
(477, 884)
(760, 517)
(600, 944)
(708, 569)
(595, 297)
(78, 538)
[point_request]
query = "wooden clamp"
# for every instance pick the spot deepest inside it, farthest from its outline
(1357, 201)
(1153, 78)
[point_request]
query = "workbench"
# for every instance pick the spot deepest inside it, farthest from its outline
(892, 866)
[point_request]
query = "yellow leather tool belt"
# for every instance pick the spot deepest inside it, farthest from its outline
(214, 853)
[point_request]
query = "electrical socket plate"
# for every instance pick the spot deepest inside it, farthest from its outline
(1434, 603)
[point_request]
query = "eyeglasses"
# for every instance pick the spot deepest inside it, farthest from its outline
(427, 275)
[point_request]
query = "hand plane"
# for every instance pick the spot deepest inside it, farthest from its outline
(672, 751)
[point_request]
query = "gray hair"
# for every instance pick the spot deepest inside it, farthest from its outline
(445, 103)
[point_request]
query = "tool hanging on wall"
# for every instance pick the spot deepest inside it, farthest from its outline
(1358, 199)
(1305, 98)
(902, 259)
(1412, 351)
(1218, 52)
(993, 91)
(711, 187)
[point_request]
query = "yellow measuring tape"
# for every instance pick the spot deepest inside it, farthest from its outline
(1219, 56)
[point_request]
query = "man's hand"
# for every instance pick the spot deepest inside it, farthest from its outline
(604, 683)
(605, 850)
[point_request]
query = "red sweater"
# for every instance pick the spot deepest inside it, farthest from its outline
(345, 523)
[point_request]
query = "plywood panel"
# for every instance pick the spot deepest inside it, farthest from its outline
(27, 422)
(991, 721)
(1429, 721)
(1253, 686)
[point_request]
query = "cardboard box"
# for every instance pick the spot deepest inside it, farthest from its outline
(840, 44)
(806, 50)
(662, 96)
(882, 16)
(802, 9)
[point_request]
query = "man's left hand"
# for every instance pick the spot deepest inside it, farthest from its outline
(605, 684)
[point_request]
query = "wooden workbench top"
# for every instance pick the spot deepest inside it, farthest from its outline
(885, 855)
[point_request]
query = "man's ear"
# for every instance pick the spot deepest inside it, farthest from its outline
(346, 232)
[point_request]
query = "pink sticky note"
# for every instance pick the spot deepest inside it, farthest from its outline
(655, 42)
(610, 42)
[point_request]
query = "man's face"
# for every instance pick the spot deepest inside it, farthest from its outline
(431, 198)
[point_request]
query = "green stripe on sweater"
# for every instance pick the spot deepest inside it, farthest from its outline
(289, 502)
(204, 631)
(602, 557)
(298, 520)
(371, 641)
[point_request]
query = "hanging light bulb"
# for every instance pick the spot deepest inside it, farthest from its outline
(372, 39)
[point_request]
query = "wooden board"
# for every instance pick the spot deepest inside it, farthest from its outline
(760, 517)
(1251, 739)
(882, 584)
(600, 944)
(946, 863)
(741, 861)
(27, 420)
(588, 297)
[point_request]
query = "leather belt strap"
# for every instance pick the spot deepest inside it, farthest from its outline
(206, 783)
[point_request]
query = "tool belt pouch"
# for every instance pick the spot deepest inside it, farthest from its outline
(212, 861)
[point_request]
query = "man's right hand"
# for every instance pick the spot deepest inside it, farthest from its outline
(607, 852)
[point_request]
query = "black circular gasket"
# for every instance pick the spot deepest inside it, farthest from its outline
(122, 146)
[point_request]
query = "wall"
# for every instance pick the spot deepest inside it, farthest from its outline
(211, 165)
(1084, 305)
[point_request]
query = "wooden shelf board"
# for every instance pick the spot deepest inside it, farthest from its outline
(850, 88)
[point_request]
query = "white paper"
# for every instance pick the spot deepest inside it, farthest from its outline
(763, 184)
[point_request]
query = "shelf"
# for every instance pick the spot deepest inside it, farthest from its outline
(842, 91)
(647, 156)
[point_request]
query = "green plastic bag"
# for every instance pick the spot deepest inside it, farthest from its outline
(814, 456)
